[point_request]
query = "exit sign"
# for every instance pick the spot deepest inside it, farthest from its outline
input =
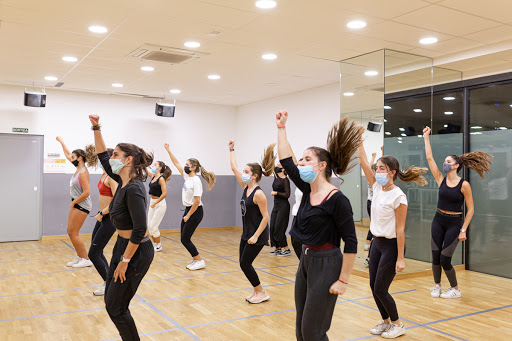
(20, 130)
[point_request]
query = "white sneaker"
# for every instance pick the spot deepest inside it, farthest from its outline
(451, 293)
(157, 247)
(380, 328)
(198, 264)
(191, 263)
(366, 247)
(74, 261)
(100, 291)
(393, 331)
(436, 291)
(82, 263)
(259, 297)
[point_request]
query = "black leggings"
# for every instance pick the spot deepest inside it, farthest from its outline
(279, 223)
(369, 236)
(445, 237)
(118, 295)
(188, 228)
(383, 257)
(248, 253)
(101, 235)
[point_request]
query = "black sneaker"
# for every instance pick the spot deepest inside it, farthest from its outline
(275, 252)
(284, 253)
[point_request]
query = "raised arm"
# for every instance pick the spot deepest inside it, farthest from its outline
(367, 169)
(67, 153)
(374, 156)
(284, 149)
(174, 159)
(234, 165)
(101, 148)
(430, 157)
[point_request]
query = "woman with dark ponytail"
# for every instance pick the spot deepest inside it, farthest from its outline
(323, 219)
(191, 197)
(133, 252)
(448, 226)
(81, 203)
(254, 216)
(388, 212)
(160, 173)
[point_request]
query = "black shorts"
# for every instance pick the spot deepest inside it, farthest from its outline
(80, 208)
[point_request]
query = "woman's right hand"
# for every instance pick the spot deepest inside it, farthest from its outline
(59, 139)
(95, 120)
(281, 117)
(426, 131)
(166, 146)
(98, 217)
(231, 144)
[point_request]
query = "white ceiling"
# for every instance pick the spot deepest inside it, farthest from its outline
(475, 37)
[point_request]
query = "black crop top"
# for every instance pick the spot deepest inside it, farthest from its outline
(450, 198)
(328, 222)
(251, 217)
(154, 188)
(282, 187)
(128, 207)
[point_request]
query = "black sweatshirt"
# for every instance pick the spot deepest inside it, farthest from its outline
(128, 207)
(282, 187)
(328, 222)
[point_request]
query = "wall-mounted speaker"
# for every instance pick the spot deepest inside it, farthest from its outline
(165, 109)
(35, 99)
(372, 126)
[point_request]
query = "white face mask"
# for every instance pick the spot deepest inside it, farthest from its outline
(116, 165)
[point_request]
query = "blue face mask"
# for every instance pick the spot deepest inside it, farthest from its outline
(447, 167)
(307, 174)
(381, 178)
(246, 178)
(153, 170)
(116, 165)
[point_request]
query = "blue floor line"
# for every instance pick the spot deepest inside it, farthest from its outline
(72, 248)
(48, 272)
(469, 314)
(240, 318)
(27, 260)
(39, 249)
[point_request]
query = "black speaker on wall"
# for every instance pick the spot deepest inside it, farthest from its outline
(165, 109)
(35, 99)
(372, 126)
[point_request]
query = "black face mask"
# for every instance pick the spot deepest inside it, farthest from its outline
(187, 169)
(278, 170)
(75, 163)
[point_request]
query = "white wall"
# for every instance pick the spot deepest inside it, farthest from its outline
(197, 130)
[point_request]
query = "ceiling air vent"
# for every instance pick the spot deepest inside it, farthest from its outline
(165, 54)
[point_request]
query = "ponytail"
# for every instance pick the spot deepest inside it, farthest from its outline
(91, 158)
(166, 170)
(210, 177)
(141, 160)
(267, 163)
(478, 161)
(413, 174)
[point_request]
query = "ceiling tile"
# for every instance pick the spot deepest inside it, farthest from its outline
(498, 10)
(493, 35)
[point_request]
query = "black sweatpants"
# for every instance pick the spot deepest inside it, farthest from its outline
(248, 253)
(101, 235)
(317, 272)
(369, 236)
(445, 237)
(383, 257)
(118, 295)
(188, 228)
(279, 219)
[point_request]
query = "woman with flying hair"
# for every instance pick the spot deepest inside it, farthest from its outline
(323, 219)
(388, 212)
(448, 226)
(81, 203)
(255, 217)
(191, 197)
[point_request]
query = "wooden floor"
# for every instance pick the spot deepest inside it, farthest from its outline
(42, 299)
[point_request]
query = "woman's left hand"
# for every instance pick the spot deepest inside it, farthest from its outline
(252, 240)
(462, 236)
(400, 265)
(274, 193)
(153, 205)
(338, 288)
(120, 272)
(71, 205)
(186, 218)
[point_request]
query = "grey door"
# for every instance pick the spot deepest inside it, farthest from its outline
(21, 183)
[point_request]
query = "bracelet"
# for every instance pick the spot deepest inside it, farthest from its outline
(231, 149)
(98, 127)
(101, 213)
(281, 126)
(342, 281)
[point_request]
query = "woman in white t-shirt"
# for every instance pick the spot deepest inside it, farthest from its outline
(388, 211)
(191, 196)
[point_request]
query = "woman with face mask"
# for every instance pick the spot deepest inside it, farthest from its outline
(159, 173)
(280, 213)
(448, 226)
(81, 203)
(191, 197)
(133, 252)
(388, 211)
(104, 229)
(254, 216)
(323, 219)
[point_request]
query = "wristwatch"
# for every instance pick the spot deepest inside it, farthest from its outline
(101, 213)
(462, 230)
(125, 260)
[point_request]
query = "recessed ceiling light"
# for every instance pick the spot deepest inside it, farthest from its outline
(371, 73)
(400, 138)
(50, 78)
(511, 105)
(420, 135)
(175, 91)
(476, 127)
(403, 134)
(502, 128)
(387, 107)
(117, 85)
(448, 112)
(269, 56)
(476, 133)
(449, 98)
(98, 29)
(385, 120)
(387, 133)
(266, 4)
(428, 40)
(401, 129)
(147, 68)
(356, 24)
(400, 142)
(69, 59)
(446, 126)
(192, 44)
(348, 94)
(417, 110)
(213, 77)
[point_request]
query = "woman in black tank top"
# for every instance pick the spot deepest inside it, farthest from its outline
(254, 216)
(448, 226)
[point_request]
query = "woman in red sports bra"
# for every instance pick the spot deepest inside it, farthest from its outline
(104, 229)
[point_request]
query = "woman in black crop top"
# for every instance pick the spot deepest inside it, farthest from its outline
(254, 216)
(133, 252)
(448, 226)
(323, 219)
(159, 174)
(280, 213)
